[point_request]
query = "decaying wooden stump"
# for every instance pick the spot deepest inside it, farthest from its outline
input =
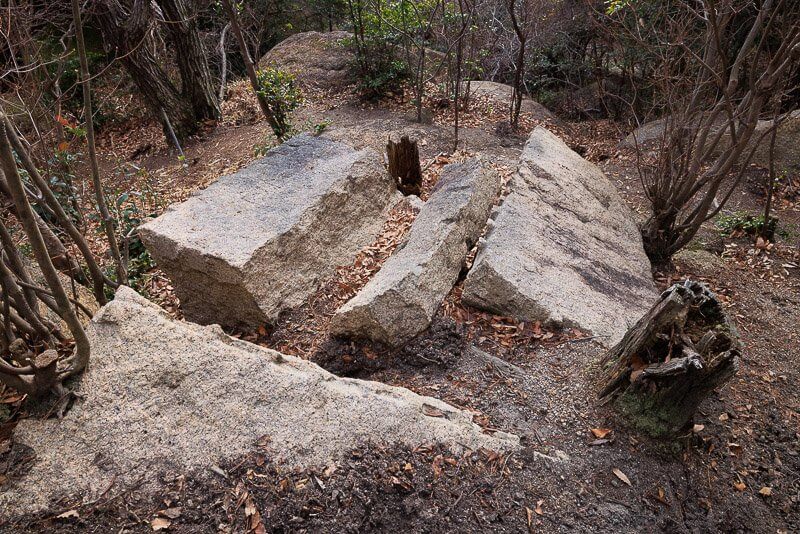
(404, 165)
(674, 357)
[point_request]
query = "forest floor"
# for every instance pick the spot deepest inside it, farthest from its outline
(581, 468)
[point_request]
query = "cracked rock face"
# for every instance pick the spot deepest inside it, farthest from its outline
(258, 242)
(164, 395)
(399, 302)
(563, 249)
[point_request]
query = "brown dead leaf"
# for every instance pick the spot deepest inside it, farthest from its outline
(739, 485)
(601, 433)
(622, 476)
(766, 491)
(698, 428)
(249, 507)
(171, 513)
(68, 514)
(432, 411)
(529, 516)
(539, 507)
(160, 523)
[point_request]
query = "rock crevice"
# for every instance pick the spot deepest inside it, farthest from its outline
(400, 301)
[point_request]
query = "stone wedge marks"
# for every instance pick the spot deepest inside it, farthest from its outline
(564, 248)
(257, 242)
(401, 299)
(164, 395)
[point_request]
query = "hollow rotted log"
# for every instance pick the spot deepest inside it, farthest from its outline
(404, 165)
(685, 347)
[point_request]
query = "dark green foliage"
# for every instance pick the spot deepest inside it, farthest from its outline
(282, 96)
(378, 27)
(739, 222)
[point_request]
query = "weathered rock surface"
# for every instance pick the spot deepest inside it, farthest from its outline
(646, 135)
(399, 302)
(563, 247)
(787, 141)
(167, 395)
(316, 59)
(327, 59)
(501, 94)
(257, 242)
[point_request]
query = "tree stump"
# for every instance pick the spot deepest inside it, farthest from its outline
(674, 357)
(404, 165)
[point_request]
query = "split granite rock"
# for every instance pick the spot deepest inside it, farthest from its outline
(563, 248)
(164, 395)
(400, 300)
(258, 242)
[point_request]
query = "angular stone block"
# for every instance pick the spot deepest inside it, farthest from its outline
(564, 248)
(400, 300)
(258, 242)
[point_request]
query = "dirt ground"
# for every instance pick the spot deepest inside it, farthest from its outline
(581, 468)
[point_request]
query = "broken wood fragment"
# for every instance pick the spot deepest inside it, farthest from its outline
(404, 165)
(674, 357)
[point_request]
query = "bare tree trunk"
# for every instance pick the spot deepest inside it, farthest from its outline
(105, 215)
(58, 253)
(404, 165)
(95, 273)
(520, 29)
(671, 360)
(767, 226)
(197, 85)
(459, 61)
(223, 60)
(126, 33)
(249, 65)
(80, 358)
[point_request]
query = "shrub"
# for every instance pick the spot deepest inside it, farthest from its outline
(378, 41)
(279, 89)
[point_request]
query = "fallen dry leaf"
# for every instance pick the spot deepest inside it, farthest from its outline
(171, 513)
(740, 486)
(698, 428)
(766, 491)
(68, 514)
(601, 433)
(622, 476)
(160, 523)
(431, 411)
(539, 507)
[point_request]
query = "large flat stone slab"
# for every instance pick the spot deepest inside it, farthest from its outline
(161, 395)
(563, 247)
(258, 242)
(400, 300)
